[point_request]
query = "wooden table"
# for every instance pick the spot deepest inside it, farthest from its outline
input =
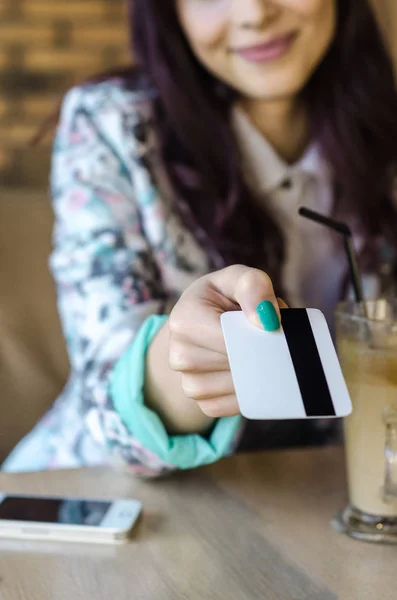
(250, 527)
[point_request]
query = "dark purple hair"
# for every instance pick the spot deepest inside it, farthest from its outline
(352, 107)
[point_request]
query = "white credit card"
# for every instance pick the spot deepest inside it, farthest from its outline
(293, 373)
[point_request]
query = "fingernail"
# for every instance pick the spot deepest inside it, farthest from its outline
(268, 316)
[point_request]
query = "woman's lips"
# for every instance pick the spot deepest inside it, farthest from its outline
(272, 50)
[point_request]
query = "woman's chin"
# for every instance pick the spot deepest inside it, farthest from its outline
(269, 86)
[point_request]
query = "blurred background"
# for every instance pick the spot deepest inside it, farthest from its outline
(45, 47)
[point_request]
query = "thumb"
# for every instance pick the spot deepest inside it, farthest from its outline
(253, 291)
(255, 294)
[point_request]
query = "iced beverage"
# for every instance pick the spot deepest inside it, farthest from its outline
(367, 348)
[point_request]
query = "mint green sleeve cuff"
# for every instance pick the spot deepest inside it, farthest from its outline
(126, 387)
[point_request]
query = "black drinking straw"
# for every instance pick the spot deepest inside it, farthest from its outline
(346, 233)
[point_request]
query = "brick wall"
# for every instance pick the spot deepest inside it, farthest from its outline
(45, 47)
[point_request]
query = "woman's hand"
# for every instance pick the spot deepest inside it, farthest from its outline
(188, 379)
(197, 346)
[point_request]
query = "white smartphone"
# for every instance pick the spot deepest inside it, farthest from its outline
(67, 519)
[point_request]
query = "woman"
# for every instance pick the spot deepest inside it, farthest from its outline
(176, 192)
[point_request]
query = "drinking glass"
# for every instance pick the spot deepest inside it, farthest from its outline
(367, 346)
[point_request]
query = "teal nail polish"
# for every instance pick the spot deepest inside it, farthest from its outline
(268, 316)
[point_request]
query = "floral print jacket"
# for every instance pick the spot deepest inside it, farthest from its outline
(121, 254)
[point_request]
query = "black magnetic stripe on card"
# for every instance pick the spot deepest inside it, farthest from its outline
(307, 363)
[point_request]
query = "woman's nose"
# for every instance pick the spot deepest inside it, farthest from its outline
(254, 14)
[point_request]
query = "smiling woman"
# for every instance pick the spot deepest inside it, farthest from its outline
(176, 187)
(265, 50)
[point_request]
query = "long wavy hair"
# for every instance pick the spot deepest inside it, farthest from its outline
(352, 108)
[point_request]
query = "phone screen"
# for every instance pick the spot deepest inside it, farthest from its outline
(54, 510)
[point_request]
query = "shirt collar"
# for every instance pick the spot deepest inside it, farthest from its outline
(263, 163)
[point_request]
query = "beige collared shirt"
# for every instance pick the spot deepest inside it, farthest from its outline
(315, 265)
